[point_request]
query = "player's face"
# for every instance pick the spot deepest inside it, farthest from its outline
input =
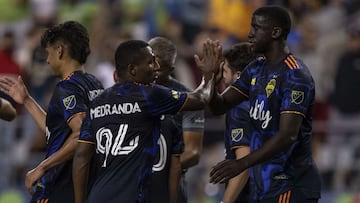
(53, 56)
(228, 75)
(164, 72)
(260, 35)
(148, 69)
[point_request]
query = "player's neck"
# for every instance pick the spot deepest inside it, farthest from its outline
(276, 54)
(71, 67)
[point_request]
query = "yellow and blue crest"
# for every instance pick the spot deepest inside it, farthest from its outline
(270, 87)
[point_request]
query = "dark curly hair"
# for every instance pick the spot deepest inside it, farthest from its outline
(239, 56)
(129, 53)
(74, 36)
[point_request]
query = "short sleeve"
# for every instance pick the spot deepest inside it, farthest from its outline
(242, 84)
(298, 92)
(86, 133)
(239, 126)
(177, 144)
(163, 100)
(72, 100)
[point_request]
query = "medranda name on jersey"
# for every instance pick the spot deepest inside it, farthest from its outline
(257, 113)
(107, 109)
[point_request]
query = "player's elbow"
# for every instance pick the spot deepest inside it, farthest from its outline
(195, 157)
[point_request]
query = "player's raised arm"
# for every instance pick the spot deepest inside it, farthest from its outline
(16, 89)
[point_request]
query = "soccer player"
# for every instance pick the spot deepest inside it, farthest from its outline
(67, 46)
(7, 111)
(187, 126)
(238, 127)
(123, 125)
(281, 92)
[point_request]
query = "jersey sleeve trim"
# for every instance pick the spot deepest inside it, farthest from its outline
(240, 146)
(241, 92)
(72, 116)
(293, 112)
(85, 141)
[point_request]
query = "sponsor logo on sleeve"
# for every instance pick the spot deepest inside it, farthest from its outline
(297, 97)
(237, 134)
(175, 94)
(69, 102)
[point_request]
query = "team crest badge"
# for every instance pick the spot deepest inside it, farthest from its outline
(69, 102)
(270, 87)
(297, 97)
(175, 94)
(237, 134)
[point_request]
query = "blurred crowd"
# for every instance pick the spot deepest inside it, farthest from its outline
(325, 34)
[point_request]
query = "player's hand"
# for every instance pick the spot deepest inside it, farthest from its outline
(226, 170)
(219, 75)
(211, 57)
(15, 88)
(31, 177)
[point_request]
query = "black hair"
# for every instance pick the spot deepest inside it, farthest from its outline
(277, 16)
(239, 56)
(129, 53)
(74, 36)
(164, 49)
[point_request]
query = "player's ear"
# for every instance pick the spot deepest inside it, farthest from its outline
(60, 50)
(237, 74)
(116, 76)
(132, 70)
(172, 68)
(276, 32)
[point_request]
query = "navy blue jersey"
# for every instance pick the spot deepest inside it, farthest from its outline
(238, 129)
(171, 143)
(237, 134)
(71, 96)
(124, 123)
(287, 87)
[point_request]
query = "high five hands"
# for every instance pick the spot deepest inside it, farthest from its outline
(211, 57)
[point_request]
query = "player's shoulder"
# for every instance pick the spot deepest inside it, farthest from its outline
(255, 65)
(294, 63)
(296, 67)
